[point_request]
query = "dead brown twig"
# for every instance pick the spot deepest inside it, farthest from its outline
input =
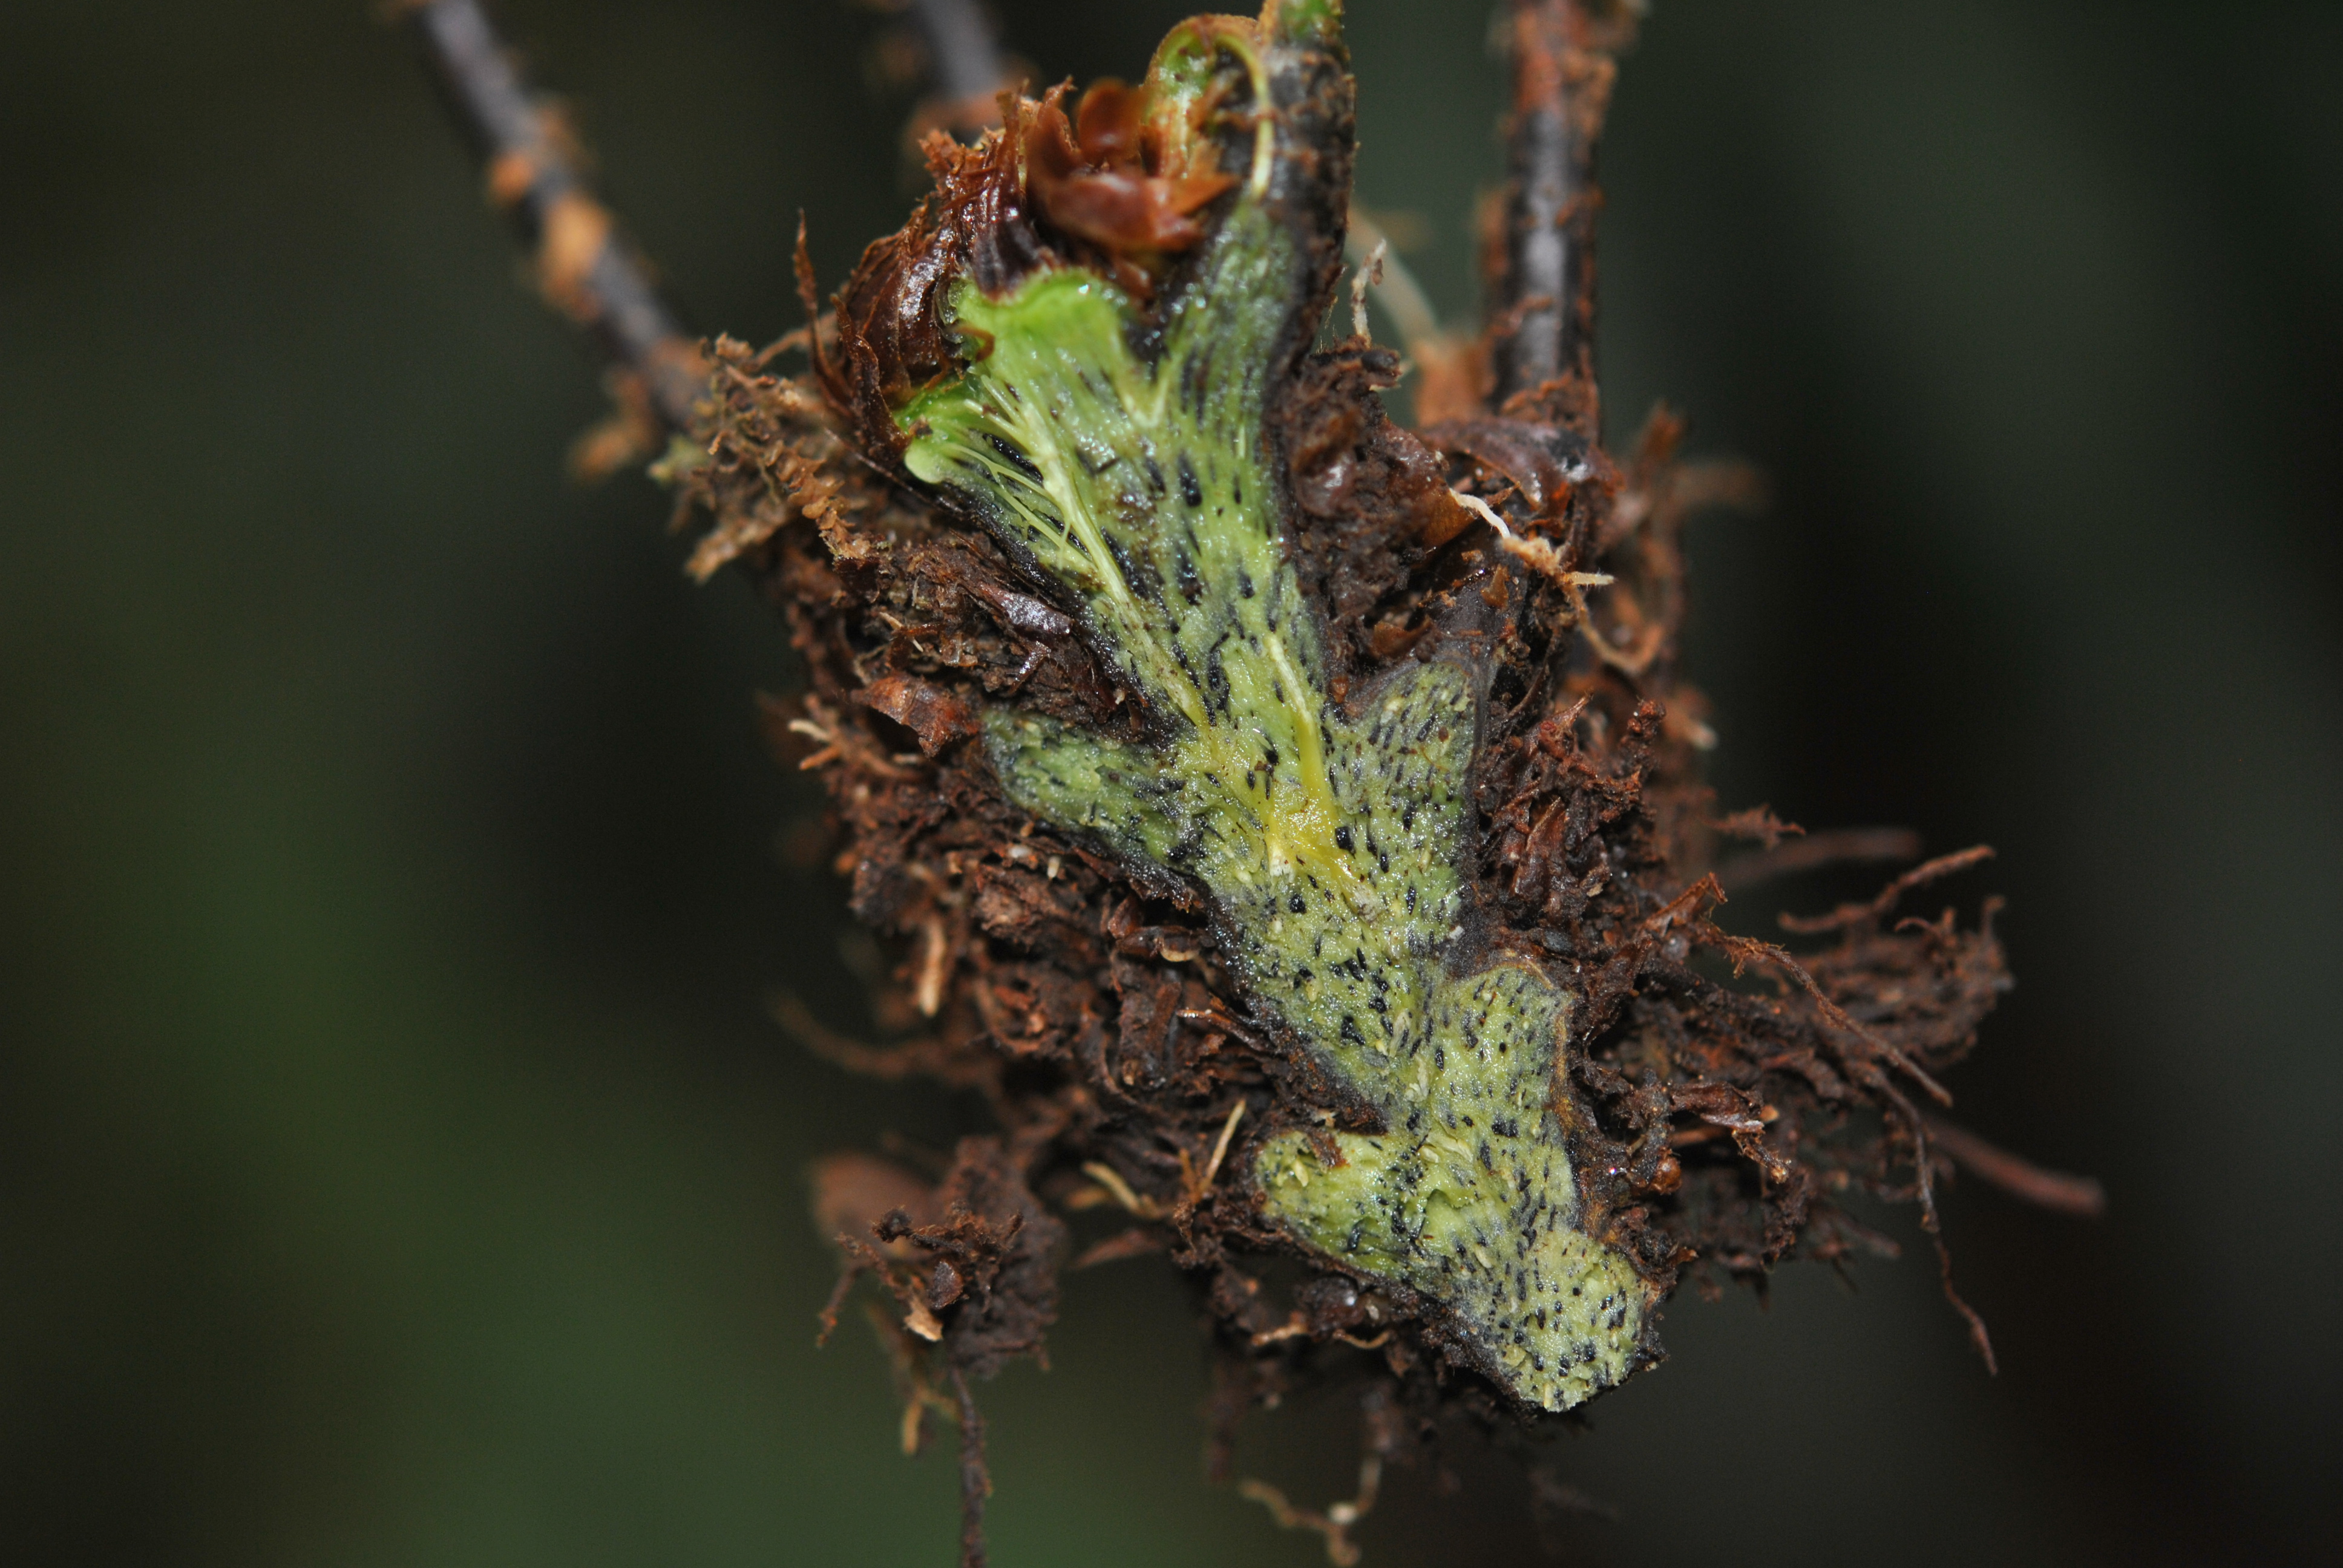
(963, 56)
(1919, 876)
(586, 267)
(2082, 1196)
(1816, 851)
(1541, 343)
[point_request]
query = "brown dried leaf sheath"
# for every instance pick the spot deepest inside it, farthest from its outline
(1734, 1091)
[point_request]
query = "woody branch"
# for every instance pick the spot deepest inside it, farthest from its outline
(586, 267)
(1541, 308)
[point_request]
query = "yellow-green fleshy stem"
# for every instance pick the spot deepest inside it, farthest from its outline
(1328, 841)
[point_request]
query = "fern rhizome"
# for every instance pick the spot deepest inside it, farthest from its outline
(1290, 824)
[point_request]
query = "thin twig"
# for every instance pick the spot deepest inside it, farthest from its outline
(1541, 334)
(962, 53)
(1767, 952)
(924, 1055)
(2081, 1196)
(1920, 876)
(975, 1479)
(1817, 850)
(953, 47)
(1924, 1173)
(586, 268)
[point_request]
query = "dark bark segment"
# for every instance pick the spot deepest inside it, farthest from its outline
(586, 268)
(1542, 331)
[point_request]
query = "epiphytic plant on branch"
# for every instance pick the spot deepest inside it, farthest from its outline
(1290, 822)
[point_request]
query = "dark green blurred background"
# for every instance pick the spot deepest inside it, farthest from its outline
(396, 1164)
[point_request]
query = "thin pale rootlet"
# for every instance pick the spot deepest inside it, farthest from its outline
(1329, 837)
